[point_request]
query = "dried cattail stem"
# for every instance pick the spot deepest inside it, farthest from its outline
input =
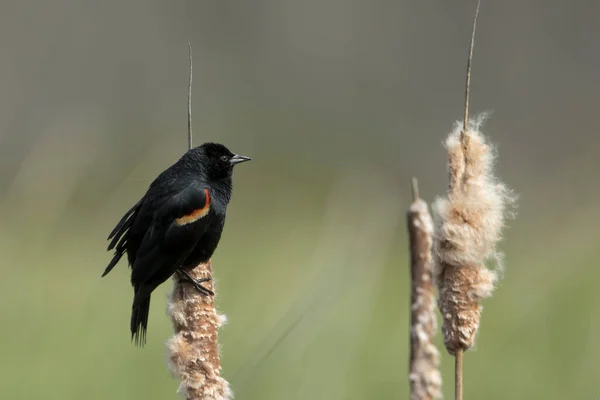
(458, 371)
(424, 376)
(190, 97)
(194, 348)
(470, 221)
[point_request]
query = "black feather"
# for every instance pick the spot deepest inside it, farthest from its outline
(127, 219)
(119, 236)
(139, 317)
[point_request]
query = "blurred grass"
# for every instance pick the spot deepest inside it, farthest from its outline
(334, 257)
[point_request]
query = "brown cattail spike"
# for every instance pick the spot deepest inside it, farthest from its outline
(424, 375)
(470, 220)
(194, 349)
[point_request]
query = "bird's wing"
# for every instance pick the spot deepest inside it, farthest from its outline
(120, 235)
(176, 228)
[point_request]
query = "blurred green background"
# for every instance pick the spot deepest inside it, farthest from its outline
(339, 103)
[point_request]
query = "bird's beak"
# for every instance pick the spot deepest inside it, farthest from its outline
(236, 159)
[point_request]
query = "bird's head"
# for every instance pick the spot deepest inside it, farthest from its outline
(218, 160)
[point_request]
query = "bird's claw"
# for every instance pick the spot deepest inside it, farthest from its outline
(202, 289)
(197, 283)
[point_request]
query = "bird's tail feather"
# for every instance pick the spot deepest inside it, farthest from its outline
(139, 318)
(113, 262)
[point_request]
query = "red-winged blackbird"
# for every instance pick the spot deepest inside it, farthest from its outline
(175, 226)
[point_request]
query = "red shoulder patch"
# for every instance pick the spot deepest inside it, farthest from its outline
(197, 213)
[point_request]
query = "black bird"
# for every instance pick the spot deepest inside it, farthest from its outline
(175, 226)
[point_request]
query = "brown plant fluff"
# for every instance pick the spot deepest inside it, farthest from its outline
(469, 224)
(424, 376)
(194, 348)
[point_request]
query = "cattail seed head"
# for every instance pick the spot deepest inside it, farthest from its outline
(424, 375)
(469, 225)
(194, 348)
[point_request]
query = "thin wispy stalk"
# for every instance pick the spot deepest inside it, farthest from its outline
(189, 115)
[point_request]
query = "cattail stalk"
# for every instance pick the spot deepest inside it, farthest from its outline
(194, 348)
(424, 376)
(470, 221)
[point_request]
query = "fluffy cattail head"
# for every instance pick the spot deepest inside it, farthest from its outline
(424, 375)
(194, 348)
(469, 225)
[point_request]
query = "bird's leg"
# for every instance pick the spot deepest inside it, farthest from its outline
(197, 283)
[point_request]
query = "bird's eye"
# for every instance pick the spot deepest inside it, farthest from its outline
(225, 158)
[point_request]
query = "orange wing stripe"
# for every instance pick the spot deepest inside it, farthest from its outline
(197, 213)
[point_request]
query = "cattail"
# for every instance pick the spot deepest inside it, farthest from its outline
(424, 376)
(470, 221)
(194, 348)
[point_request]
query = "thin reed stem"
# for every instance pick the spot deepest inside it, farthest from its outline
(458, 375)
(468, 78)
(189, 119)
